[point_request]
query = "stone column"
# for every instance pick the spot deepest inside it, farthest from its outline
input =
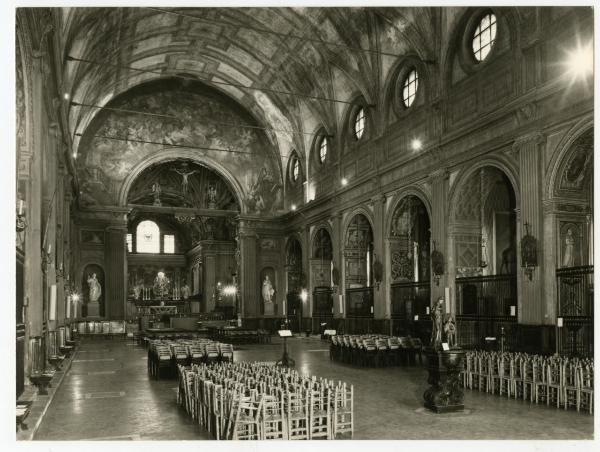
(248, 270)
(209, 267)
(439, 181)
(33, 253)
(115, 270)
(337, 243)
(529, 149)
(380, 300)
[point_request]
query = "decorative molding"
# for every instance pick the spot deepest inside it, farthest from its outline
(531, 139)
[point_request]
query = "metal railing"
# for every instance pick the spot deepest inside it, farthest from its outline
(410, 299)
(575, 309)
(485, 305)
(359, 302)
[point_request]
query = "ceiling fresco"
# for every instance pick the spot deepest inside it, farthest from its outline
(164, 116)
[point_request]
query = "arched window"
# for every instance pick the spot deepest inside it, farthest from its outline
(323, 147)
(484, 36)
(148, 237)
(409, 87)
(359, 123)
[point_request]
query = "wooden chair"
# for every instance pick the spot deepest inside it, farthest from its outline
(540, 384)
(297, 415)
(554, 380)
(273, 419)
(319, 414)
(343, 411)
(394, 350)
(571, 393)
(586, 387)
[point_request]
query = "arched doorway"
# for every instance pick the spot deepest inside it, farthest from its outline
(321, 269)
(410, 288)
(484, 228)
(358, 259)
(573, 224)
(295, 284)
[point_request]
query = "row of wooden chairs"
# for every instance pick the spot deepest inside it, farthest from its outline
(164, 356)
(251, 401)
(563, 381)
(239, 336)
(376, 350)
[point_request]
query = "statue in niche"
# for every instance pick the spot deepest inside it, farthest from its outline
(267, 290)
(156, 191)
(212, 197)
(184, 175)
(568, 254)
(95, 289)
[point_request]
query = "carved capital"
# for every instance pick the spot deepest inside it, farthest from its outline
(528, 141)
(441, 173)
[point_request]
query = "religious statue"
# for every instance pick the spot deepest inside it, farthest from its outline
(137, 290)
(568, 255)
(450, 331)
(185, 291)
(437, 317)
(185, 182)
(212, 197)
(267, 290)
(156, 190)
(95, 289)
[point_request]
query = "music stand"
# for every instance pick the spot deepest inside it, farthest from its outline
(285, 360)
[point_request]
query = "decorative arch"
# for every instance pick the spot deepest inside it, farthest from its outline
(509, 14)
(318, 240)
(348, 139)
(396, 75)
(174, 154)
(563, 153)
(398, 197)
(506, 167)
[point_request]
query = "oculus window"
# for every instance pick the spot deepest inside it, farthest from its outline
(409, 87)
(323, 149)
(484, 36)
(148, 237)
(359, 123)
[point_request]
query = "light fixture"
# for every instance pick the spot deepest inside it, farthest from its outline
(75, 297)
(580, 61)
(230, 290)
(294, 207)
(344, 181)
(416, 144)
(304, 295)
(74, 155)
(66, 96)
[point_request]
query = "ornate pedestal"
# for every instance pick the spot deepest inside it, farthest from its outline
(269, 308)
(445, 394)
(93, 309)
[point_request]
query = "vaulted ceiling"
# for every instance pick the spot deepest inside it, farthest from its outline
(311, 52)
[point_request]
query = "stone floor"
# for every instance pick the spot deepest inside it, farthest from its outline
(107, 395)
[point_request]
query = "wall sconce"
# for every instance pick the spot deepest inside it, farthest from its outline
(21, 223)
(528, 252)
(377, 272)
(437, 264)
(60, 272)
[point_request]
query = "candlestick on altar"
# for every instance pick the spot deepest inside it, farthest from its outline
(20, 207)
